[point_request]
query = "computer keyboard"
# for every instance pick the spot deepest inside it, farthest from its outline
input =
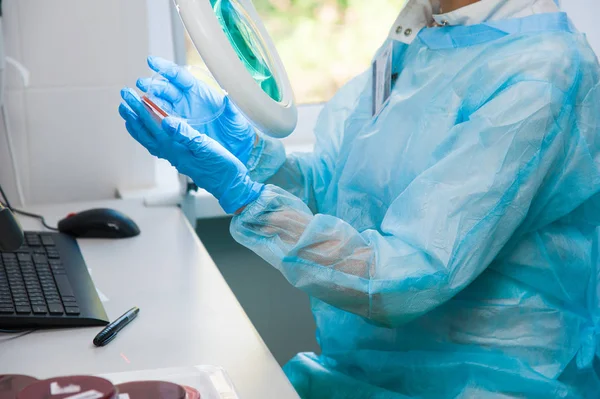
(46, 284)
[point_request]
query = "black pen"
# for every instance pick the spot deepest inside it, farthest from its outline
(111, 330)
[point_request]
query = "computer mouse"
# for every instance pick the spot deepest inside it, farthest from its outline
(99, 223)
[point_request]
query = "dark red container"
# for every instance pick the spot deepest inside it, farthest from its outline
(75, 387)
(11, 385)
(152, 390)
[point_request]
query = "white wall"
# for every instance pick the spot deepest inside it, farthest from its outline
(71, 143)
(584, 13)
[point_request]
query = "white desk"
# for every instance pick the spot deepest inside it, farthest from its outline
(189, 316)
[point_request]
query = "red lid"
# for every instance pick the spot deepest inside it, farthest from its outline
(10, 385)
(152, 390)
(75, 387)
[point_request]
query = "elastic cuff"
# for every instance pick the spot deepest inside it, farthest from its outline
(255, 207)
(255, 153)
(267, 156)
(240, 195)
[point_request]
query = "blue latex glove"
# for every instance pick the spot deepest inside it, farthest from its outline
(194, 154)
(206, 109)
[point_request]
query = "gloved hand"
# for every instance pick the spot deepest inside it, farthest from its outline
(209, 111)
(194, 154)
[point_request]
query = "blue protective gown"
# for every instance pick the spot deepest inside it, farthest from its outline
(449, 245)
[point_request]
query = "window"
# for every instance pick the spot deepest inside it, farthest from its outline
(323, 43)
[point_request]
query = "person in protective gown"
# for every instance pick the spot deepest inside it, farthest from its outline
(450, 243)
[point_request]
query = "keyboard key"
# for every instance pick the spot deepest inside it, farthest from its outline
(40, 259)
(47, 241)
(64, 286)
(58, 269)
(7, 310)
(69, 299)
(24, 258)
(49, 290)
(23, 309)
(72, 310)
(39, 309)
(55, 308)
(33, 240)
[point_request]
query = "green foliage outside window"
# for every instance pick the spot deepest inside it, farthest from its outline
(324, 43)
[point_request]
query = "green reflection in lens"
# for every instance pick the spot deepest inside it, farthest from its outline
(247, 44)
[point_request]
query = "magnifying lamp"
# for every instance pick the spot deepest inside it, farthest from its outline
(240, 54)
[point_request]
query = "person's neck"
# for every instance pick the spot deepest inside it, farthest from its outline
(451, 5)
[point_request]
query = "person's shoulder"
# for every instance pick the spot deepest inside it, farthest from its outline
(562, 58)
(566, 49)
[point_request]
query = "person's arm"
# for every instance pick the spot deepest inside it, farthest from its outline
(305, 174)
(298, 173)
(441, 232)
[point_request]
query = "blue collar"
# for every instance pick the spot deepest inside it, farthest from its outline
(465, 36)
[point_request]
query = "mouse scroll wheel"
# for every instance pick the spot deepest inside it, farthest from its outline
(70, 215)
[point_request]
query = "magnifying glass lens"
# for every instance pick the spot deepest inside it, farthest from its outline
(247, 43)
